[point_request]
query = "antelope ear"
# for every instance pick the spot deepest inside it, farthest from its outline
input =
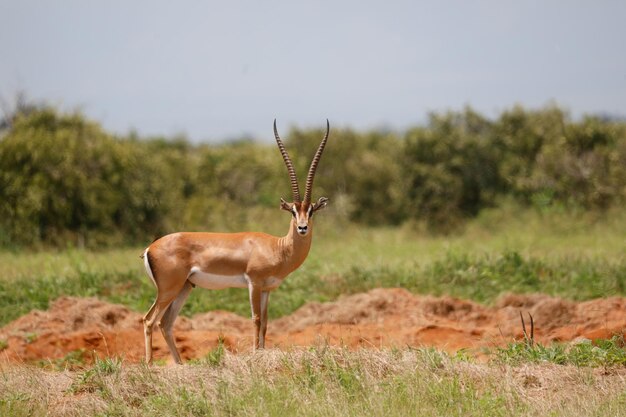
(321, 203)
(285, 205)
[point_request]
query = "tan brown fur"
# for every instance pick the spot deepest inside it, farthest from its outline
(258, 261)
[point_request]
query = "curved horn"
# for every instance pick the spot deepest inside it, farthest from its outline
(295, 190)
(313, 167)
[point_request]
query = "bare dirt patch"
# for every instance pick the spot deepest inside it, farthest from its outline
(378, 318)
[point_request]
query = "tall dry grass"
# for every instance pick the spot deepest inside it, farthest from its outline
(316, 382)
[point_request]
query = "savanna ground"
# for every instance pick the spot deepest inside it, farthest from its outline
(568, 270)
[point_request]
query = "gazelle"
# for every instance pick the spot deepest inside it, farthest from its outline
(178, 262)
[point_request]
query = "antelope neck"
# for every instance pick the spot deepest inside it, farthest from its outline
(295, 247)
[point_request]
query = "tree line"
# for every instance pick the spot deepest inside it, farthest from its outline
(64, 180)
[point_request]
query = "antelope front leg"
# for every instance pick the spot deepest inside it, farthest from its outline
(265, 300)
(255, 306)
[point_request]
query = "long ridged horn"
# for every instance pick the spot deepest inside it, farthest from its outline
(295, 190)
(313, 167)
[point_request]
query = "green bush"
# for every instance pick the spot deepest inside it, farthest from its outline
(583, 168)
(64, 181)
(546, 159)
(452, 169)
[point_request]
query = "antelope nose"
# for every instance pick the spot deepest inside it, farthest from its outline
(302, 229)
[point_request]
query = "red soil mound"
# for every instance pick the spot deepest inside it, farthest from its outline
(378, 318)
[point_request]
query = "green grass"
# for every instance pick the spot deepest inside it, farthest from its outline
(599, 353)
(569, 256)
(478, 277)
(316, 382)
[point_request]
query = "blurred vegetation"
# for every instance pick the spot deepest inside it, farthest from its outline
(64, 181)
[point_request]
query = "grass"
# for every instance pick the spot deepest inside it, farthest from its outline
(316, 382)
(569, 256)
(478, 277)
(599, 353)
(574, 256)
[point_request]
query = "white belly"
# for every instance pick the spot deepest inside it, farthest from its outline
(216, 282)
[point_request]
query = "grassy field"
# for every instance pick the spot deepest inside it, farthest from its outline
(577, 257)
(317, 382)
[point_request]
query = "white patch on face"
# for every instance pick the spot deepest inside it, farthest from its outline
(215, 281)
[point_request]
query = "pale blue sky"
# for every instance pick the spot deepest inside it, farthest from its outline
(218, 70)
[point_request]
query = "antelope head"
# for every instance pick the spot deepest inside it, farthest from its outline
(302, 209)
